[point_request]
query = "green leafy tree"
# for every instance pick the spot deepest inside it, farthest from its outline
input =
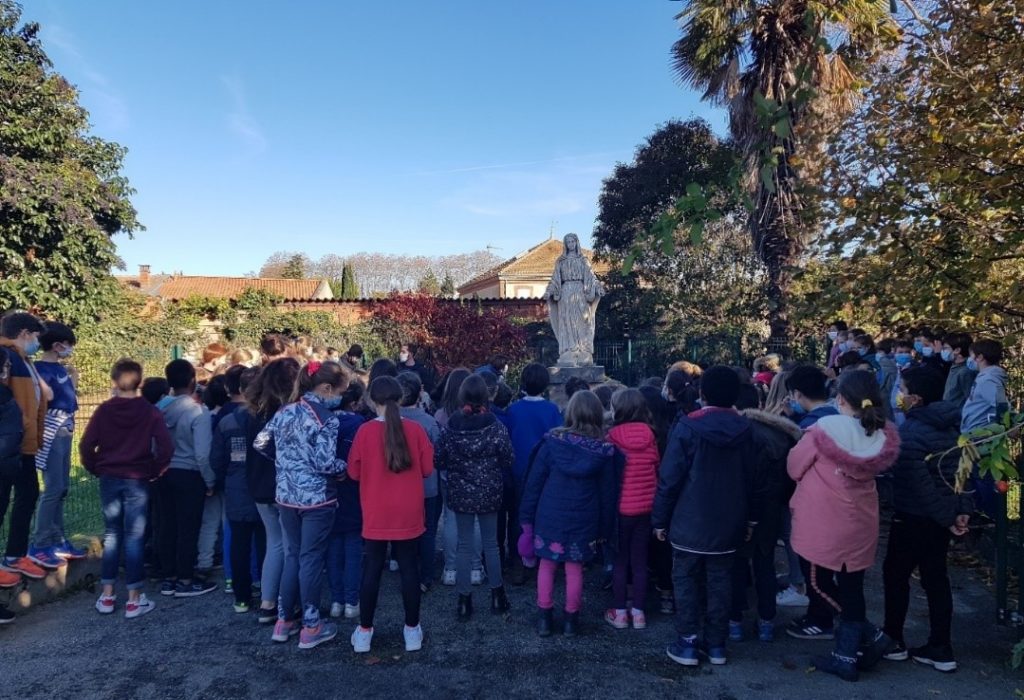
(716, 286)
(62, 195)
(772, 65)
(928, 176)
(295, 267)
(428, 284)
(448, 286)
(349, 288)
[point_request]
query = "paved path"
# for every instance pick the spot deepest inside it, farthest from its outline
(199, 648)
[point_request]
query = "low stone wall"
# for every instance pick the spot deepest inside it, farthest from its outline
(67, 579)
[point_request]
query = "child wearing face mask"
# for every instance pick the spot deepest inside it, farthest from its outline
(841, 345)
(904, 359)
(50, 545)
(956, 351)
(834, 331)
(302, 439)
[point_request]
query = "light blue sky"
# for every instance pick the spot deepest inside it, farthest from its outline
(334, 127)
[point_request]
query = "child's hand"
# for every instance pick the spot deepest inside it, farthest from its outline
(659, 533)
(959, 527)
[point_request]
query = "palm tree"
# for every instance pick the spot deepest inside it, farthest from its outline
(769, 62)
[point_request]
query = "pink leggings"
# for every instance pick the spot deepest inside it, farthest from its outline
(573, 585)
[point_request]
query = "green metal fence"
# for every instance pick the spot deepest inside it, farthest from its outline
(82, 515)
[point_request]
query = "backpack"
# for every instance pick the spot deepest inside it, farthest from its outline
(12, 432)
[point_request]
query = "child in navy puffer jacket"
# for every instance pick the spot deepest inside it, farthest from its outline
(632, 434)
(302, 438)
(345, 544)
(569, 505)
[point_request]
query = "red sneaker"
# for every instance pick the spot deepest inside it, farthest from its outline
(9, 579)
(23, 566)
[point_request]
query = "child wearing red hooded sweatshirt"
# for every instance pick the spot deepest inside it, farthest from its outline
(835, 515)
(634, 437)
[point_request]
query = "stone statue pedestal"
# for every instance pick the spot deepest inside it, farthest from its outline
(591, 374)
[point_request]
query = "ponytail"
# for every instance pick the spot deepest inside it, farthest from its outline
(316, 373)
(860, 390)
(387, 392)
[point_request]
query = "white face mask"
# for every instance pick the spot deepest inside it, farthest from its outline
(832, 335)
(403, 357)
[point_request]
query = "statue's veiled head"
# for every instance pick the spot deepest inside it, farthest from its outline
(571, 244)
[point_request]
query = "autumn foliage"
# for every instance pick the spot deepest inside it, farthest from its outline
(458, 334)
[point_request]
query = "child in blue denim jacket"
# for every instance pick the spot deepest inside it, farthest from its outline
(302, 439)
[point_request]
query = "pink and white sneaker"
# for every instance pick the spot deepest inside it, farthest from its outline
(616, 618)
(284, 630)
(639, 619)
(138, 608)
(105, 604)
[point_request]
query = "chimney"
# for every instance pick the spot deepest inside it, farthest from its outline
(143, 275)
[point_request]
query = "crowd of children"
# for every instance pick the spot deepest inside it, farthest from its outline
(309, 468)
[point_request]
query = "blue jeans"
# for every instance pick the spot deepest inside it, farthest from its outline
(345, 566)
(125, 503)
(273, 562)
(428, 540)
(305, 534)
(450, 536)
(56, 478)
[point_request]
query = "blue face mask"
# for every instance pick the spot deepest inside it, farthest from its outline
(879, 356)
(903, 359)
(844, 346)
(332, 402)
(947, 355)
(972, 364)
(796, 408)
(33, 347)
(918, 346)
(928, 351)
(863, 352)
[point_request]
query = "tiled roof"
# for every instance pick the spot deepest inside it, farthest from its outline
(179, 287)
(538, 261)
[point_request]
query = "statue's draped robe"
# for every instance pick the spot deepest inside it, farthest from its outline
(572, 316)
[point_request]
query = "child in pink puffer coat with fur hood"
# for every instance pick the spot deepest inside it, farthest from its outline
(835, 516)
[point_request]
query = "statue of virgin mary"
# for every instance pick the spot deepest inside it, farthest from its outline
(573, 295)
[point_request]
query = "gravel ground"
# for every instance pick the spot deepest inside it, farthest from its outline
(199, 648)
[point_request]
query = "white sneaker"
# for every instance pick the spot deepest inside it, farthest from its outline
(105, 604)
(413, 638)
(477, 577)
(448, 578)
(393, 565)
(791, 598)
(138, 608)
(361, 640)
(352, 611)
(337, 609)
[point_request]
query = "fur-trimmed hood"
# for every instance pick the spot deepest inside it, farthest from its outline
(842, 440)
(773, 420)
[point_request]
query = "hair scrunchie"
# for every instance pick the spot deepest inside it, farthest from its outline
(866, 403)
(313, 367)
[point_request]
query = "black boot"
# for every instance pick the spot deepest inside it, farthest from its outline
(465, 607)
(499, 601)
(843, 661)
(545, 622)
(874, 643)
(572, 624)
(517, 575)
